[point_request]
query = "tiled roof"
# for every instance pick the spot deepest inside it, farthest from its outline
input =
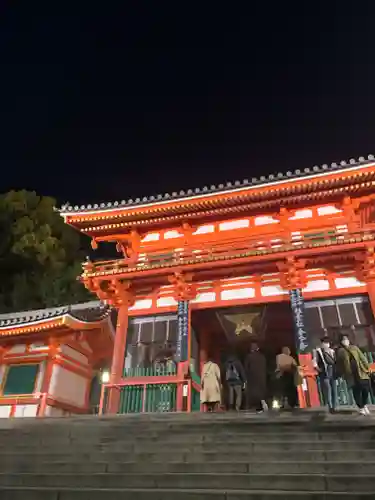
(221, 187)
(88, 311)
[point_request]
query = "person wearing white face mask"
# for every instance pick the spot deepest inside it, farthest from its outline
(352, 365)
(324, 362)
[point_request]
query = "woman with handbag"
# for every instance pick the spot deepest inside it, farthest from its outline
(211, 386)
(352, 366)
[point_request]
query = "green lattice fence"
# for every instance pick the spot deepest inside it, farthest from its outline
(150, 398)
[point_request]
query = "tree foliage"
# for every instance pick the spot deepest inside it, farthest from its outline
(40, 256)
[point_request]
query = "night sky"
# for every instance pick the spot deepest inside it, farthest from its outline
(119, 102)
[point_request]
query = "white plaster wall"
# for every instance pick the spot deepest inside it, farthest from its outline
(166, 301)
(26, 411)
(5, 411)
(68, 386)
(210, 228)
(168, 235)
(141, 304)
(269, 291)
(151, 237)
(239, 293)
(72, 353)
(51, 411)
(2, 371)
(17, 349)
(263, 220)
(205, 297)
(348, 282)
(234, 224)
(86, 346)
(316, 286)
(38, 347)
(40, 377)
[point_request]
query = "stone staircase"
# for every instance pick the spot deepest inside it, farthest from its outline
(188, 457)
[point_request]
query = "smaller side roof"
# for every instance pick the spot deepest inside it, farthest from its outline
(82, 315)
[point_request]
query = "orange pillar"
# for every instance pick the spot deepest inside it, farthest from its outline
(371, 294)
(311, 398)
(118, 357)
(53, 349)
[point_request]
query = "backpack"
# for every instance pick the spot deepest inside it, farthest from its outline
(232, 374)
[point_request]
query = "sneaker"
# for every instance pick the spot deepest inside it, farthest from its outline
(362, 411)
(367, 411)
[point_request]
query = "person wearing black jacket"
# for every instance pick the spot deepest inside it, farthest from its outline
(324, 362)
(235, 379)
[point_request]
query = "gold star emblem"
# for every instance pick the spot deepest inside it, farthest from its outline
(242, 322)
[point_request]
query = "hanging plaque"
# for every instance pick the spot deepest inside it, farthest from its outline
(298, 311)
(182, 330)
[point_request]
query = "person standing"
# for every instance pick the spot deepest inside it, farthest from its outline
(324, 361)
(287, 371)
(256, 379)
(352, 366)
(235, 379)
(211, 386)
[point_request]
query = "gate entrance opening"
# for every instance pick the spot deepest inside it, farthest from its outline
(231, 331)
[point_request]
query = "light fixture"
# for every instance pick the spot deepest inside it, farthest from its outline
(275, 405)
(105, 377)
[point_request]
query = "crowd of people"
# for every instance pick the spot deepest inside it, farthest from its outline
(248, 385)
(348, 362)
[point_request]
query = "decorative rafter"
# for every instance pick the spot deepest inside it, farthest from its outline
(292, 275)
(365, 264)
(184, 288)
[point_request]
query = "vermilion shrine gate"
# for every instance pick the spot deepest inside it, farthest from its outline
(283, 259)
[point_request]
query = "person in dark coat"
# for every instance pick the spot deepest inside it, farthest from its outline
(324, 360)
(352, 366)
(235, 379)
(256, 379)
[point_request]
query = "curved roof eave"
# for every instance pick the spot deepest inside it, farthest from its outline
(238, 186)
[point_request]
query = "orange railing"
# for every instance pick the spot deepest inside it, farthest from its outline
(143, 393)
(41, 400)
(149, 395)
(241, 247)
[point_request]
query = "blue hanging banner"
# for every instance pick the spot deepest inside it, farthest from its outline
(182, 331)
(298, 311)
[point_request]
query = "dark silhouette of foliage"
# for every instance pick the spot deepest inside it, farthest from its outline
(40, 256)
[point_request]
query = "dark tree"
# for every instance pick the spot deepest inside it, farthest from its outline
(40, 256)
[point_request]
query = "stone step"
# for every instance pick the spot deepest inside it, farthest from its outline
(177, 438)
(217, 447)
(254, 467)
(167, 456)
(223, 481)
(179, 421)
(14, 493)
